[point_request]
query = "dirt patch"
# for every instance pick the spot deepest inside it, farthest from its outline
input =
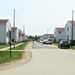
(16, 63)
(72, 50)
(29, 46)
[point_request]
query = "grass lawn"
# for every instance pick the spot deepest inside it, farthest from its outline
(5, 56)
(73, 48)
(20, 47)
(55, 44)
(3, 46)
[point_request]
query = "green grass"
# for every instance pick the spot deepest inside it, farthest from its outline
(72, 48)
(56, 44)
(3, 46)
(20, 47)
(5, 56)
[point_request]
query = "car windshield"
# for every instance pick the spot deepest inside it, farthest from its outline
(49, 40)
(63, 41)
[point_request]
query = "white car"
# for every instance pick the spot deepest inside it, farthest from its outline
(40, 41)
(48, 41)
(44, 41)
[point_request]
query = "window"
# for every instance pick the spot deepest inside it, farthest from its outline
(67, 28)
(68, 37)
(59, 32)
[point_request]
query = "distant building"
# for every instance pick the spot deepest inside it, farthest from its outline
(23, 37)
(59, 34)
(14, 34)
(68, 30)
(5, 27)
(47, 36)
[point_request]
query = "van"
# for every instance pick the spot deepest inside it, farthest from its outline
(48, 41)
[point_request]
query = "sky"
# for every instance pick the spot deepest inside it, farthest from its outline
(37, 16)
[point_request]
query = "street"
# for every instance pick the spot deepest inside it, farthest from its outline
(42, 46)
(46, 60)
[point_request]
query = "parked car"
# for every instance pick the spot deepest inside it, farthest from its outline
(41, 41)
(72, 42)
(44, 41)
(64, 44)
(47, 41)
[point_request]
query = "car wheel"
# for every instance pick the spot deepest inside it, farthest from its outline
(60, 47)
(68, 47)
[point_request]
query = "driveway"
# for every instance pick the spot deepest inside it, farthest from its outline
(46, 60)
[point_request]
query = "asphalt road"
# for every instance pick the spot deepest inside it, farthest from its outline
(46, 60)
(37, 45)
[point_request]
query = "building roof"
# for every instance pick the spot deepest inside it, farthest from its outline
(51, 35)
(3, 21)
(60, 29)
(13, 28)
(73, 22)
(21, 35)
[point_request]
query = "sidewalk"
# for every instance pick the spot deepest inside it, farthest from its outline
(29, 46)
(3, 49)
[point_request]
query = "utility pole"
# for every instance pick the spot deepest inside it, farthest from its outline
(24, 34)
(14, 27)
(14, 19)
(72, 29)
(10, 43)
(47, 31)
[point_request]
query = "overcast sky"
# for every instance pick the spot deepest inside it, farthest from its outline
(38, 15)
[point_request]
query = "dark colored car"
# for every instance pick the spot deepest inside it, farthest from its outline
(64, 44)
(72, 42)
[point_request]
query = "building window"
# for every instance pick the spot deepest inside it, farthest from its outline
(59, 32)
(67, 37)
(60, 40)
(67, 28)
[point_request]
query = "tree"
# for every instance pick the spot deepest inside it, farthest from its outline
(36, 37)
(19, 31)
